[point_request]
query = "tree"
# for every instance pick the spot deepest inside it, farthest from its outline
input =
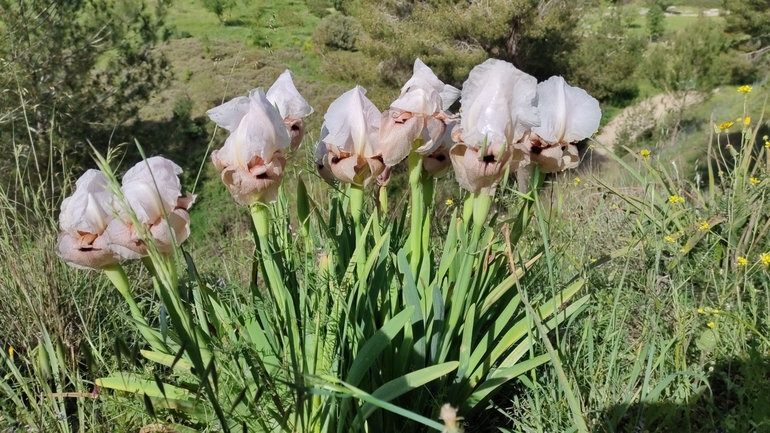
(749, 24)
(655, 21)
(606, 61)
(695, 58)
(454, 36)
(219, 8)
(72, 67)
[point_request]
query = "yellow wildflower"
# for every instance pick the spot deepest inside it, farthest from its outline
(701, 311)
(676, 199)
(710, 324)
(764, 137)
(726, 125)
(669, 239)
(10, 352)
(715, 311)
(741, 261)
(767, 144)
(645, 153)
(459, 219)
(704, 226)
(765, 257)
(744, 89)
(746, 121)
(754, 180)
(450, 202)
(497, 200)
(576, 181)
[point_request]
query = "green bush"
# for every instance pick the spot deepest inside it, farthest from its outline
(606, 61)
(337, 32)
(319, 8)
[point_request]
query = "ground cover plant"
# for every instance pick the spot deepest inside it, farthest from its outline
(631, 290)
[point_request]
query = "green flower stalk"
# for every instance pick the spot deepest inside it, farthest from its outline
(119, 279)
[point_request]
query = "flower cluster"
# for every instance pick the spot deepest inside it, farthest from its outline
(97, 231)
(676, 199)
(726, 125)
(744, 89)
(508, 120)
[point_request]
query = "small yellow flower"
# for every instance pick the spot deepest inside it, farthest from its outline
(669, 239)
(764, 137)
(497, 200)
(596, 132)
(450, 202)
(754, 180)
(744, 89)
(726, 125)
(765, 257)
(10, 352)
(740, 119)
(590, 146)
(741, 261)
(593, 260)
(701, 311)
(715, 311)
(459, 219)
(576, 181)
(746, 121)
(767, 144)
(710, 324)
(645, 153)
(704, 226)
(676, 199)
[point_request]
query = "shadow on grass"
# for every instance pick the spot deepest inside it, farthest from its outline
(736, 400)
(183, 141)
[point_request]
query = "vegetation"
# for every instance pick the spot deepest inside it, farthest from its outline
(649, 264)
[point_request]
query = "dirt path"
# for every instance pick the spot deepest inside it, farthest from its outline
(643, 116)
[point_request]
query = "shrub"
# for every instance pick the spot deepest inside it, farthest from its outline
(319, 8)
(338, 32)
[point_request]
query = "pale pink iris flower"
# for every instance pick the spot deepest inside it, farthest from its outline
(567, 115)
(252, 160)
(85, 215)
(498, 108)
(153, 191)
(352, 144)
(419, 112)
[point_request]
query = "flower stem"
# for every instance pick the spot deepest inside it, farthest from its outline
(119, 279)
(414, 161)
(356, 204)
(260, 215)
(481, 205)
